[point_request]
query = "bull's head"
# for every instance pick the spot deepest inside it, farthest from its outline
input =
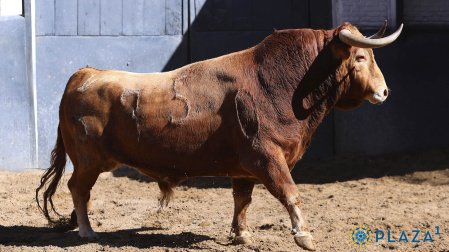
(362, 78)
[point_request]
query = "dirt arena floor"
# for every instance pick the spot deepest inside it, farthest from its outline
(398, 192)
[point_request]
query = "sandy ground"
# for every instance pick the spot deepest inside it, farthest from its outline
(398, 192)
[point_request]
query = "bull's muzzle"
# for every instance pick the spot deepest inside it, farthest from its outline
(378, 96)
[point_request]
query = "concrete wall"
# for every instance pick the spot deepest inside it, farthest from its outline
(365, 14)
(160, 35)
(368, 14)
(426, 13)
(16, 113)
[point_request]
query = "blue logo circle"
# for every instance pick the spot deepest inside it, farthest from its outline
(360, 236)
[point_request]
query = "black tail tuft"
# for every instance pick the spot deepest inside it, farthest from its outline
(166, 192)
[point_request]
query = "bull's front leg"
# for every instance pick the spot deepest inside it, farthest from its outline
(242, 190)
(273, 172)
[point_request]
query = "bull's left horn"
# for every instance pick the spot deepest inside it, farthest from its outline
(350, 39)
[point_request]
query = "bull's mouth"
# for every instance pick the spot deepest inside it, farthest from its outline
(376, 98)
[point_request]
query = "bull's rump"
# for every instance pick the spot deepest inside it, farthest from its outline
(154, 121)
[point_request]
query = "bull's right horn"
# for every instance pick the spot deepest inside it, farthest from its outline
(380, 33)
(350, 39)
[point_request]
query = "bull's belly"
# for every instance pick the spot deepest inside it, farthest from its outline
(194, 147)
(179, 160)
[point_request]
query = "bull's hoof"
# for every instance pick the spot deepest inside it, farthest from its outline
(305, 242)
(245, 238)
(64, 224)
(89, 238)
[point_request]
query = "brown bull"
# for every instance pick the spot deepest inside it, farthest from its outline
(249, 115)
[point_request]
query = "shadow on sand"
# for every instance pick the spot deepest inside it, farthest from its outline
(46, 236)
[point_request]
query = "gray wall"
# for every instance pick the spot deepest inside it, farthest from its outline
(160, 35)
(366, 14)
(432, 13)
(17, 147)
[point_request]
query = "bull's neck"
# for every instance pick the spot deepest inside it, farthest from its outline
(306, 80)
(317, 93)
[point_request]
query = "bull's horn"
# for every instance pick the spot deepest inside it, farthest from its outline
(350, 39)
(380, 33)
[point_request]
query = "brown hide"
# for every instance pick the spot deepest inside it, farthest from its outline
(249, 115)
(204, 118)
(172, 125)
(195, 121)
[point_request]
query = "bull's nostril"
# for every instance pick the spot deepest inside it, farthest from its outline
(386, 92)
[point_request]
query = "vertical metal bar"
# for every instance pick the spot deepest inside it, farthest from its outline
(33, 78)
(30, 41)
(392, 14)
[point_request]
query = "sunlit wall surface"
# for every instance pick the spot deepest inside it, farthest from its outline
(10, 7)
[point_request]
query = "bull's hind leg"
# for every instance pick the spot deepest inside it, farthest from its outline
(242, 190)
(80, 185)
(273, 172)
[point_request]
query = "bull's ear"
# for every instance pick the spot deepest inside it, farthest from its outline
(341, 50)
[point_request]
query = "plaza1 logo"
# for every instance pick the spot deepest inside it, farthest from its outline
(361, 236)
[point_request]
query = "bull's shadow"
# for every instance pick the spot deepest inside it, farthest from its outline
(353, 167)
(343, 168)
(45, 236)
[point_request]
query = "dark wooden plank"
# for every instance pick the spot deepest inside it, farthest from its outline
(133, 17)
(45, 17)
(320, 14)
(282, 15)
(262, 17)
(300, 14)
(222, 15)
(206, 45)
(173, 17)
(111, 17)
(89, 17)
(202, 18)
(185, 16)
(66, 16)
(242, 15)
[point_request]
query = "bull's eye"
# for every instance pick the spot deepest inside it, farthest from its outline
(360, 58)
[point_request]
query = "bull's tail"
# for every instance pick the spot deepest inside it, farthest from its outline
(50, 179)
(166, 188)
